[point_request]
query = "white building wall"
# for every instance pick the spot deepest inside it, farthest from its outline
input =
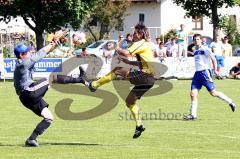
(152, 17)
(167, 15)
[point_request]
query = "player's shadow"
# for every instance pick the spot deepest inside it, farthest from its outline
(68, 144)
(10, 145)
(54, 143)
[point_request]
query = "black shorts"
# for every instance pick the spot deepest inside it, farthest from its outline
(142, 81)
(31, 97)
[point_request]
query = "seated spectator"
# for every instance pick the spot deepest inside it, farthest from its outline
(161, 52)
(172, 48)
(109, 51)
(235, 72)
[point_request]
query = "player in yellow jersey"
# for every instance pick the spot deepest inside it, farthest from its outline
(142, 78)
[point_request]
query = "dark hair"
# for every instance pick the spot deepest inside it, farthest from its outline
(239, 64)
(161, 43)
(128, 35)
(225, 37)
(142, 29)
(197, 35)
(83, 49)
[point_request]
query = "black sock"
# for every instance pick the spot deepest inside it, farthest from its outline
(68, 79)
(41, 127)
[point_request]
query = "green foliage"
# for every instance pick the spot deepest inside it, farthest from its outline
(110, 14)
(6, 53)
(169, 35)
(207, 8)
(48, 15)
(237, 2)
(203, 7)
(230, 29)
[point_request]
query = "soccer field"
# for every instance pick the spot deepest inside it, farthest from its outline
(216, 133)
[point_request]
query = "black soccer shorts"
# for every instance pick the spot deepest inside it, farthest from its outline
(142, 81)
(31, 97)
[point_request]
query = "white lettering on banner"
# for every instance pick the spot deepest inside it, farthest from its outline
(11, 64)
(181, 68)
(47, 64)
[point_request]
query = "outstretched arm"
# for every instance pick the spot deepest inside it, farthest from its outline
(45, 50)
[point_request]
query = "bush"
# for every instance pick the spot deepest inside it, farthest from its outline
(6, 53)
(169, 35)
(229, 27)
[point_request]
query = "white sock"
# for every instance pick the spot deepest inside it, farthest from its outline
(224, 98)
(86, 83)
(193, 109)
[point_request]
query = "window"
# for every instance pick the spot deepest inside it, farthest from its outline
(141, 18)
(197, 22)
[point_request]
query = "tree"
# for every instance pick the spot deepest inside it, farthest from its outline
(230, 29)
(206, 8)
(237, 2)
(48, 15)
(110, 14)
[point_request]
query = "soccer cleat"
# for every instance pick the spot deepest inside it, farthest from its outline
(31, 143)
(233, 106)
(91, 88)
(189, 117)
(138, 131)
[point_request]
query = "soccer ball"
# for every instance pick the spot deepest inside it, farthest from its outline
(78, 38)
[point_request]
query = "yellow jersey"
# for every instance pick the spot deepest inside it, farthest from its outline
(144, 54)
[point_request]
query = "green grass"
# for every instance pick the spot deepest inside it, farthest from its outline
(216, 134)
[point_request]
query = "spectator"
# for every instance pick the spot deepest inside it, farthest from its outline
(227, 48)
(158, 41)
(235, 72)
(127, 42)
(172, 48)
(161, 52)
(204, 42)
(120, 38)
(109, 51)
(182, 41)
(217, 49)
(84, 52)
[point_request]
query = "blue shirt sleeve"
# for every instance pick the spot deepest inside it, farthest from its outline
(35, 58)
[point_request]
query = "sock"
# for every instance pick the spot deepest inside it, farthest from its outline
(134, 109)
(193, 109)
(224, 98)
(77, 80)
(41, 127)
(105, 79)
(68, 79)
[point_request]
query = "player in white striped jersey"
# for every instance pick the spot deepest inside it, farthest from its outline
(202, 77)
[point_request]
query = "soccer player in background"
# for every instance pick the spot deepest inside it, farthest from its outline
(30, 92)
(202, 77)
(142, 78)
